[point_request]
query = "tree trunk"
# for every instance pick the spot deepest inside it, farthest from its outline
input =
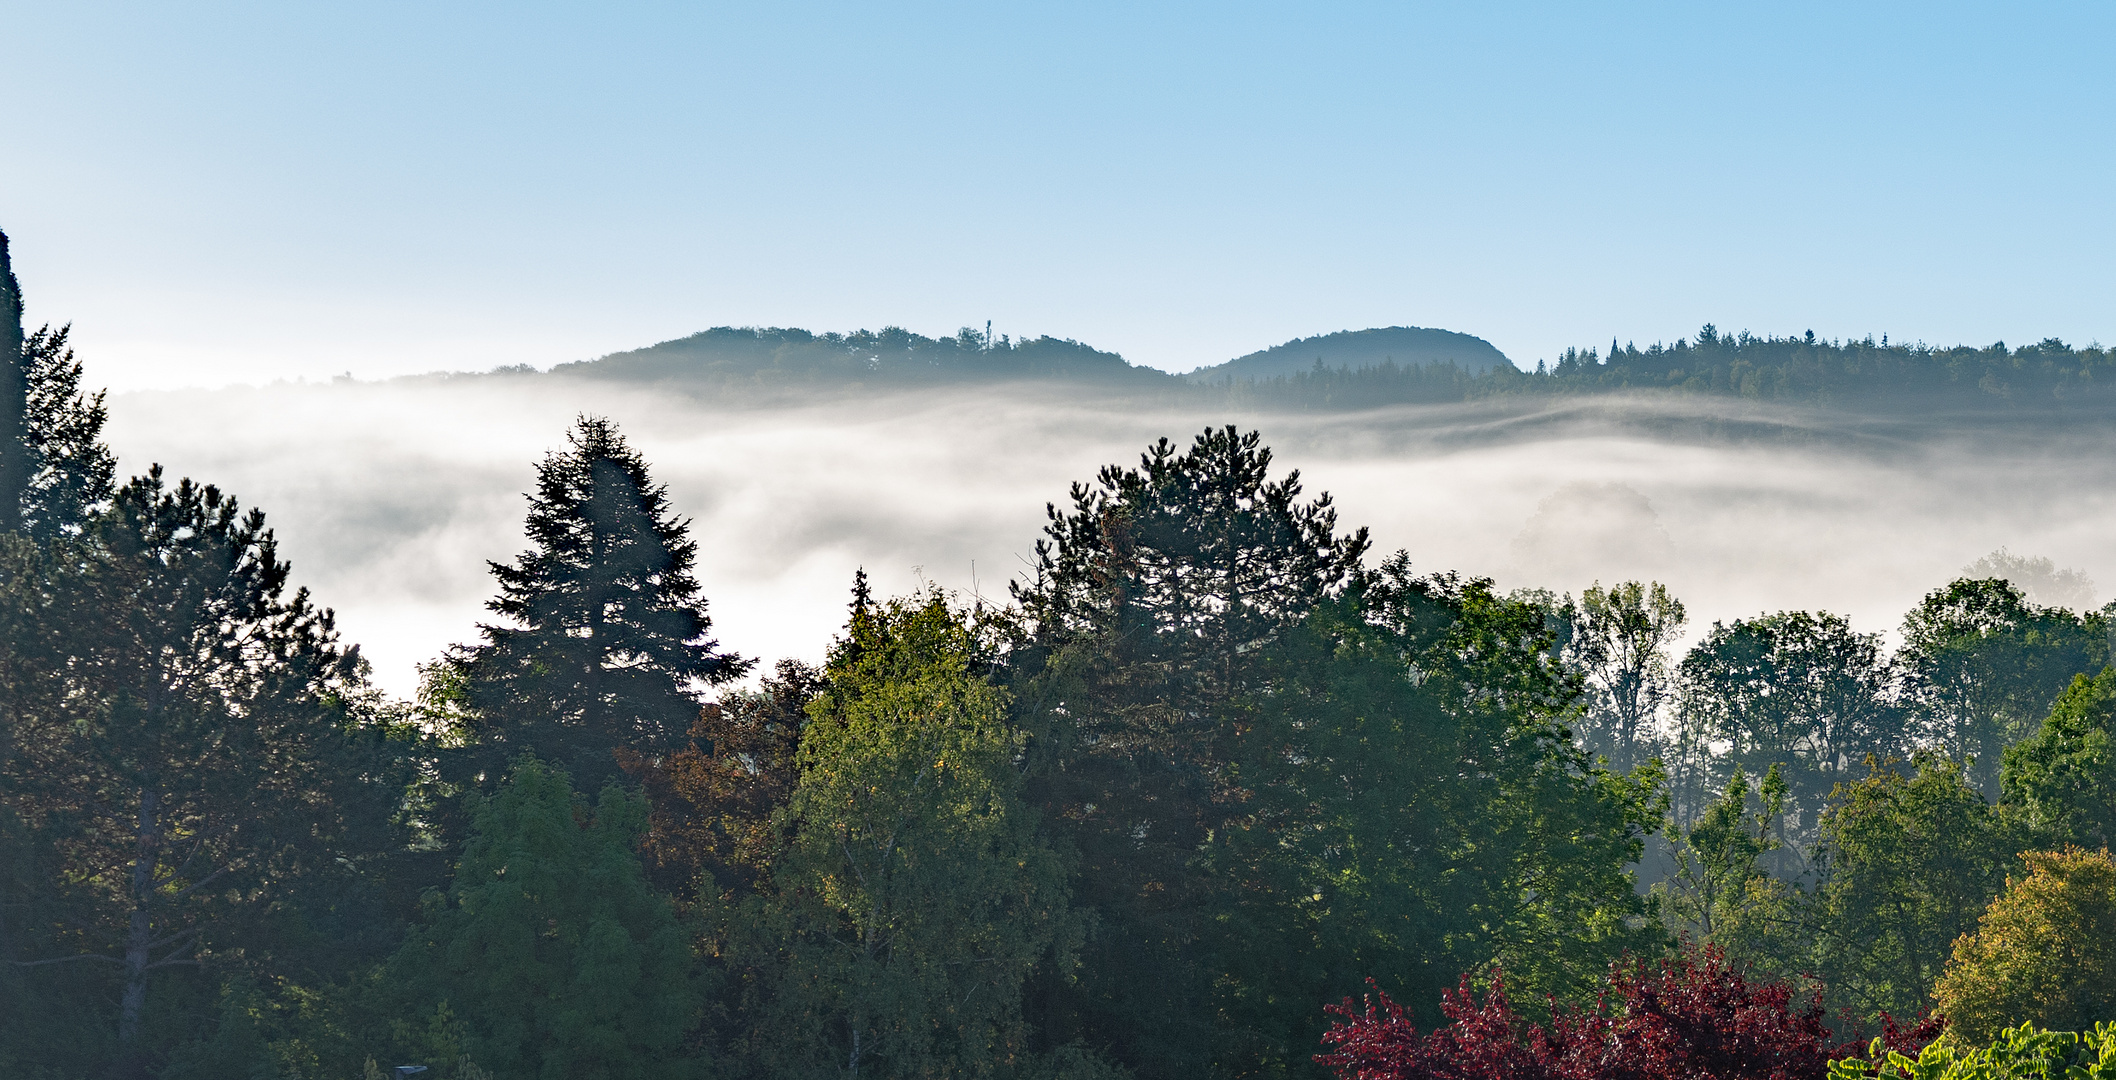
(139, 935)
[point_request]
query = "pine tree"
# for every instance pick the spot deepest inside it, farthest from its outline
(193, 762)
(609, 637)
(1156, 598)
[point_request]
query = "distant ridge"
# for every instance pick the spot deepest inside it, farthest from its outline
(1352, 350)
(1354, 370)
(787, 357)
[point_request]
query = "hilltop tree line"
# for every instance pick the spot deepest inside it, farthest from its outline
(1214, 764)
(1860, 376)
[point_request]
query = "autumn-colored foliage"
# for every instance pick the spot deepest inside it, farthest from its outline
(711, 827)
(1696, 1017)
(2041, 952)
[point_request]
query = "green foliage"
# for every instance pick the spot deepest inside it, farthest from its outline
(1215, 768)
(1155, 598)
(1909, 860)
(917, 893)
(2040, 953)
(1619, 639)
(2062, 779)
(1285, 772)
(195, 785)
(1395, 827)
(1720, 893)
(1796, 691)
(2016, 1053)
(71, 471)
(1984, 666)
(550, 957)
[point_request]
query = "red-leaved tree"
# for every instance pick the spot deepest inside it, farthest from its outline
(1695, 1017)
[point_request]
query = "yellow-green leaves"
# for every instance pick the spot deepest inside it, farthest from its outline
(2045, 951)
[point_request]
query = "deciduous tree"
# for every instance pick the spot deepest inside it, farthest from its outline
(1797, 690)
(918, 891)
(1984, 666)
(2040, 952)
(1909, 857)
(2062, 780)
(1620, 637)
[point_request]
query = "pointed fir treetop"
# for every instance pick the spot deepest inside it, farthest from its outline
(609, 636)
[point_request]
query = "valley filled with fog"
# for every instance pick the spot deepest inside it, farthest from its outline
(390, 497)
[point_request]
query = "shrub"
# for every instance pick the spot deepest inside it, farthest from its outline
(1689, 1018)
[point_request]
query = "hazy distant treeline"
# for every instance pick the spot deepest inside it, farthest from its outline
(1859, 376)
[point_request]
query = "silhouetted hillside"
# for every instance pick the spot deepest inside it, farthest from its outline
(766, 358)
(1351, 350)
(2049, 380)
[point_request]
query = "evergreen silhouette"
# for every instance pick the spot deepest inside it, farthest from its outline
(14, 396)
(609, 640)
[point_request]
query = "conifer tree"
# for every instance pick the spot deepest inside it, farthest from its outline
(607, 636)
(14, 396)
(1155, 596)
(194, 762)
(551, 954)
(71, 471)
(54, 468)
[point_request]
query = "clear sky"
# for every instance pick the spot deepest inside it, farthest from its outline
(242, 192)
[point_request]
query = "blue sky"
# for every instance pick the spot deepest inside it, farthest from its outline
(228, 192)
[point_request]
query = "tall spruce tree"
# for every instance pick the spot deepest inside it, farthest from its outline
(54, 469)
(608, 642)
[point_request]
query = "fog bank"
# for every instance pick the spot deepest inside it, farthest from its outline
(389, 498)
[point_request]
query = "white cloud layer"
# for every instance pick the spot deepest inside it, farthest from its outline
(389, 498)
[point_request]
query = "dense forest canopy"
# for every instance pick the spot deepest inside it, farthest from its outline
(1212, 768)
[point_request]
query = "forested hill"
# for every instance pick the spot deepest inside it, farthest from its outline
(2049, 378)
(1351, 350)
(777, 357)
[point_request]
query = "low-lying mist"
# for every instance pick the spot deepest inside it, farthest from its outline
(389, 498)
